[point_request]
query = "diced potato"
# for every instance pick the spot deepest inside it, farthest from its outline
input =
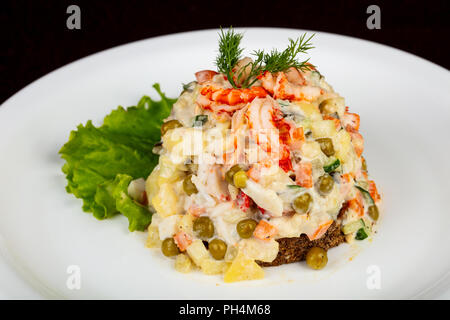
(211, 266)
(311, 111)
(168, 227)
(151, 184)
(342, 145)
(197, 252)
(243, 268)
(349, 238)
(172, 138)
(184, 141)
(165, 202)
(185, 223)
(168, 171)
(256, 249)
(311, 149)
(183, 263)
(153, 240)
(227, 266)
(323, 128)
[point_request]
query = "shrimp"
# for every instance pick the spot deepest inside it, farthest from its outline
(356, 204)
(295, 77)
(282, 88)
(219, 99)
(260, 118)
(373, 191)
(205, 76)
(346, 184)
(272, 132)
(351, 121)
(357, 142)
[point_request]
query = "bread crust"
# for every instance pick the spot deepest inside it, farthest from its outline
(295, 249)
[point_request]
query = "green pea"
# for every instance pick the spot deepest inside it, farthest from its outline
(230, 173)
(169, 248)
(373, 212)
(325, 184)
(217, 248)
(302, 203)
(188, 186)
(240, 179)
(169, 125)
(316, 258)
(245, 228)
(326, 145)
(203, 227)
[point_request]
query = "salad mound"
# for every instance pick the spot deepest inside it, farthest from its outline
(258, 163)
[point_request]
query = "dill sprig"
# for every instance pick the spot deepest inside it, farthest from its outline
(274, 61)
(280, 61)
(229, 53)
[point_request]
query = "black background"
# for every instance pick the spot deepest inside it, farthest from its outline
(36, 40)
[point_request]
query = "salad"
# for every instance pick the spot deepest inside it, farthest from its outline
(258, 163)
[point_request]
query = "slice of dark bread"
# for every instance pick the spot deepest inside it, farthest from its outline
(295, 249)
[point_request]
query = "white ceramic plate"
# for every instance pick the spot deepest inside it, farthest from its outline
(404, 105)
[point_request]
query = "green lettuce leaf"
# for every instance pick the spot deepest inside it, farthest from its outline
(138, 216)
(121, 146)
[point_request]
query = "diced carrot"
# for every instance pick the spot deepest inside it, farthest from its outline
(183, 240)
(265, 231)
(303, 174)
(373, 191)
(298, 134)
(205, 75)
(320, 231)
(351, 121)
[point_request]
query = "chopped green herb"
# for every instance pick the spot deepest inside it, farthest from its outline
(294, 186)
(361, 234)
(332, 166)
(200, 120)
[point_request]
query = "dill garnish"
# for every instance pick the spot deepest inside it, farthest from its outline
(274, 61)
(229, 53)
